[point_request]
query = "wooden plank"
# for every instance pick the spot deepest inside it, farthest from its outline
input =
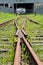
(4, 50)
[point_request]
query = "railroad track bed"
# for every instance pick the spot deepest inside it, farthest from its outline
(8, 41)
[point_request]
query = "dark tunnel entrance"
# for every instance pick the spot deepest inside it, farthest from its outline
(28, 6)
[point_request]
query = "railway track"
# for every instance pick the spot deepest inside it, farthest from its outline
(21, 36)
(6, 22)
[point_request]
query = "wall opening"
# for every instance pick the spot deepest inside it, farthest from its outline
(1, 4)
(6, 5)
(28, 6)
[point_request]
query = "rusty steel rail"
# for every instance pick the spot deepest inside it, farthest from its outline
(24, 24)
(17, 54)
(35, 22)
(6, 22)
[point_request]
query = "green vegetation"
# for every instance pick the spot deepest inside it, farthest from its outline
(9, 30)
(6, 16)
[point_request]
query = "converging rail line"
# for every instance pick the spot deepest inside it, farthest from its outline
(27, 18)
